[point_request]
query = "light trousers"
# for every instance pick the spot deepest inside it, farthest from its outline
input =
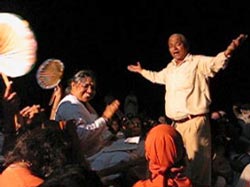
(196, 136)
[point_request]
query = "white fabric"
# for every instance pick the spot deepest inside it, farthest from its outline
(187, 84)
(91, 129)
(18, 45)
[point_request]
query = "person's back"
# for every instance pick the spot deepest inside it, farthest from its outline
(37, 153)
(165, 153)
(72, 176)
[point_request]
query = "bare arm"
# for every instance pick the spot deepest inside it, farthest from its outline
(11, 104)
(56, 97)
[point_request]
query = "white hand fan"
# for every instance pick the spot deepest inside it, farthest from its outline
(18, 45)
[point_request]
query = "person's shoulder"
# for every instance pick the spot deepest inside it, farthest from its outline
(195, 56)
(69, 99)
(16, 175)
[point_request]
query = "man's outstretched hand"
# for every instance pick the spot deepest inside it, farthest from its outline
(235, 44)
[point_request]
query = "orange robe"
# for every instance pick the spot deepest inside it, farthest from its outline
(163, 149)
(17, 176)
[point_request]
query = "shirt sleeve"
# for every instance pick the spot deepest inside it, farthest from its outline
(211, 65)
(99, 122)
(154, 76)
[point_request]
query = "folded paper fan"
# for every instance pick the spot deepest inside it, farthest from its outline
(18, 45)
(49, 73)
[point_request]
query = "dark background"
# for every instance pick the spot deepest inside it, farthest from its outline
(106, 36)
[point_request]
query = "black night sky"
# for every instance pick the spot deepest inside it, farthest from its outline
(106, 36)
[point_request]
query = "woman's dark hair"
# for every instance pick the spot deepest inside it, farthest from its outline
(43, 148)
(72, 176)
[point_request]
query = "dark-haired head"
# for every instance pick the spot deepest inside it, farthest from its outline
(43, 148)
(72, 176)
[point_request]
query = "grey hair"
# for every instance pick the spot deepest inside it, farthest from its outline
(183, 39)
(79, 76)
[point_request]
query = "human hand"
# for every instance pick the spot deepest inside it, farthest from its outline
(10, 104)
(234, 44)
(30, 111)
(56, 95)
(111, 109)
(135, 68)
(54, 100)
(11, 101)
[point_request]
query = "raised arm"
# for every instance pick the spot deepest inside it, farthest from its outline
(55, 99)
(235, 44)
(11, 103)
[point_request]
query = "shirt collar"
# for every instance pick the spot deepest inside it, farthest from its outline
(187, 57)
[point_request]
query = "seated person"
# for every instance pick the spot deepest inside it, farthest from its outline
(34, 157)
(72, 176)
(242, 114)
(165, 153)
(92, 129)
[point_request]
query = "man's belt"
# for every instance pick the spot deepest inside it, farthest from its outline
(187, 118)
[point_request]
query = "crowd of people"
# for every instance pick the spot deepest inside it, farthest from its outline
(189, 146)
